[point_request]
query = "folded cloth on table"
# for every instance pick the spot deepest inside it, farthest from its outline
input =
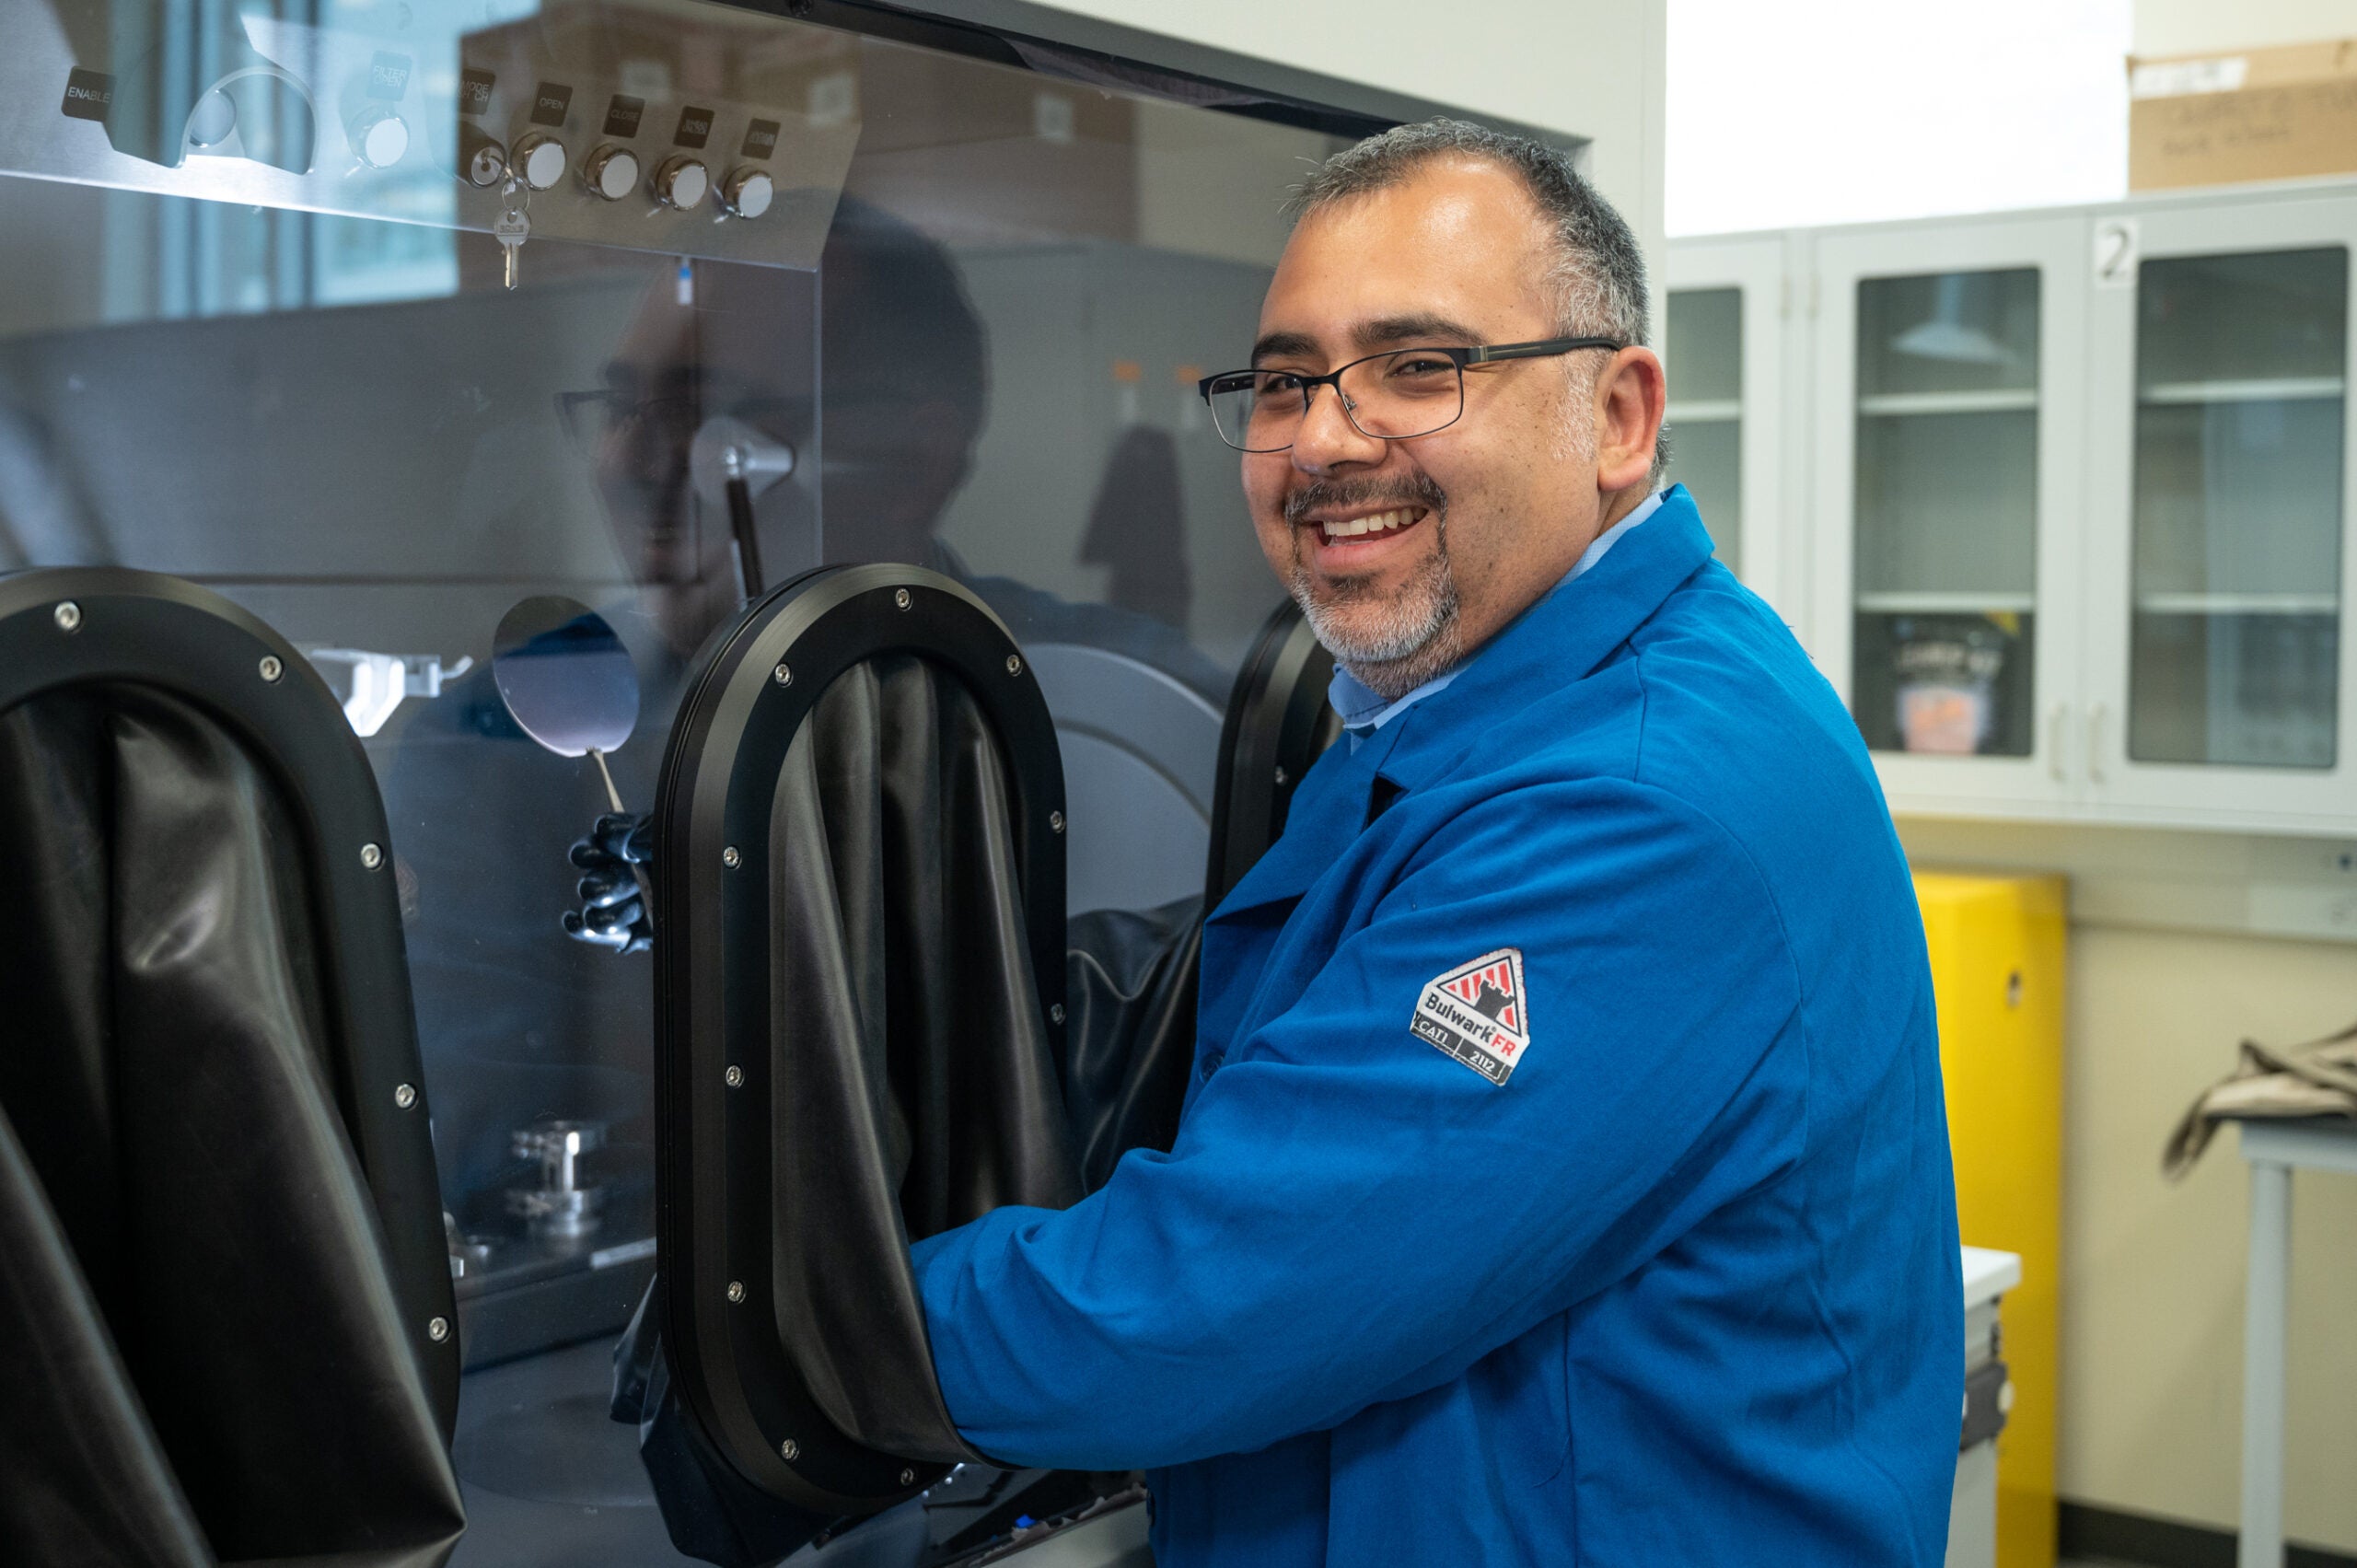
(2315, 1079)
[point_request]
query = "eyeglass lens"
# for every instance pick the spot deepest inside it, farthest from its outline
(1390, 397)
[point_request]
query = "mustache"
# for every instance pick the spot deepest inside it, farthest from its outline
(1416, 490)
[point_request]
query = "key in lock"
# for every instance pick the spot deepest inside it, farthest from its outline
(511, 230)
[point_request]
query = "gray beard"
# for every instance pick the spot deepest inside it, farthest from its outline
(1416, 636)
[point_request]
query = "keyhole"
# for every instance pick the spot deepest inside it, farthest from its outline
(2014, 989)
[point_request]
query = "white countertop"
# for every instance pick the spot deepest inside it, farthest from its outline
(1988, 1274)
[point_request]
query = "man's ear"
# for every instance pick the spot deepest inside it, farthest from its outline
(1630, 396)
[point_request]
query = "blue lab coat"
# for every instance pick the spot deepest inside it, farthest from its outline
(1666, 1275)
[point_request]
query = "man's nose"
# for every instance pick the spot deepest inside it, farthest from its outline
(1327, 440)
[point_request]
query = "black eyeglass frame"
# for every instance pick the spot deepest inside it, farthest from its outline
(1542, 348)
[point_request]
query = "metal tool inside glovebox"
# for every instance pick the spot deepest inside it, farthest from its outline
(733, 464)
(569, 683)
(568, 1240)
(562, 1206)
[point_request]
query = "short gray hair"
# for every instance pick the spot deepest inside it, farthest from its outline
(1597, 275)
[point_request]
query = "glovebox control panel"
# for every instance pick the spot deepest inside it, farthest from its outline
(725, 135)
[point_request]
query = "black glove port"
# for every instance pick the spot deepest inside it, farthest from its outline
(871, 1027)
(225, 1321)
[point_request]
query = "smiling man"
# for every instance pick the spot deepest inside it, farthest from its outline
(1564, 1177)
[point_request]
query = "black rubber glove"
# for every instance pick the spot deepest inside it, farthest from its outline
(612, 913)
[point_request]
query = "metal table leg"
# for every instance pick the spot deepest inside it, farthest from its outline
(2264, 1318)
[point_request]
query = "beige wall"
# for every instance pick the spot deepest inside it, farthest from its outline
(2181, 944)
(2153, 1282)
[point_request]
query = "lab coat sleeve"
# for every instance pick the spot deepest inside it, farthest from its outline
(1349, 1214)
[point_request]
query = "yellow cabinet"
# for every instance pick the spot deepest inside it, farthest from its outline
(1998, 951)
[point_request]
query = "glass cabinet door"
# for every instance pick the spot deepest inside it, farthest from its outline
(1722, 343)
(1946, 512)
(2226, 655)
(1944, 429)
(2239, 412)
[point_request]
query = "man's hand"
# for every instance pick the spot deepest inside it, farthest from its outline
(614, 914)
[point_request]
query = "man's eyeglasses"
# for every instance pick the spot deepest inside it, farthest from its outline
(1393, 396)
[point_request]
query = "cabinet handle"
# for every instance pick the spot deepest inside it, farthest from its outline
(2057, 735)
(2096, 713)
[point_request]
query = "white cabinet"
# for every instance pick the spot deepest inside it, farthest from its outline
(1724, 340)
(2060, 500)
(2218, 673)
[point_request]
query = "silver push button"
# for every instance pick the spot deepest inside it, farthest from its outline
(379, 136)
(538, 159)
(747, 193)
(611, 172)
(680, 182)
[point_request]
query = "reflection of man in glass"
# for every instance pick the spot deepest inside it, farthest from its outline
(906, 379)
(535, 1025)
(905, 383)
(904, 370)
(712, 342)
(518, 1023)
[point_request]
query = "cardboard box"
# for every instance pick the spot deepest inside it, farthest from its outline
(2283, 113)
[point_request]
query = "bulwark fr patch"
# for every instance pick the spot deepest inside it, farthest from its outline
(1479, 1013)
